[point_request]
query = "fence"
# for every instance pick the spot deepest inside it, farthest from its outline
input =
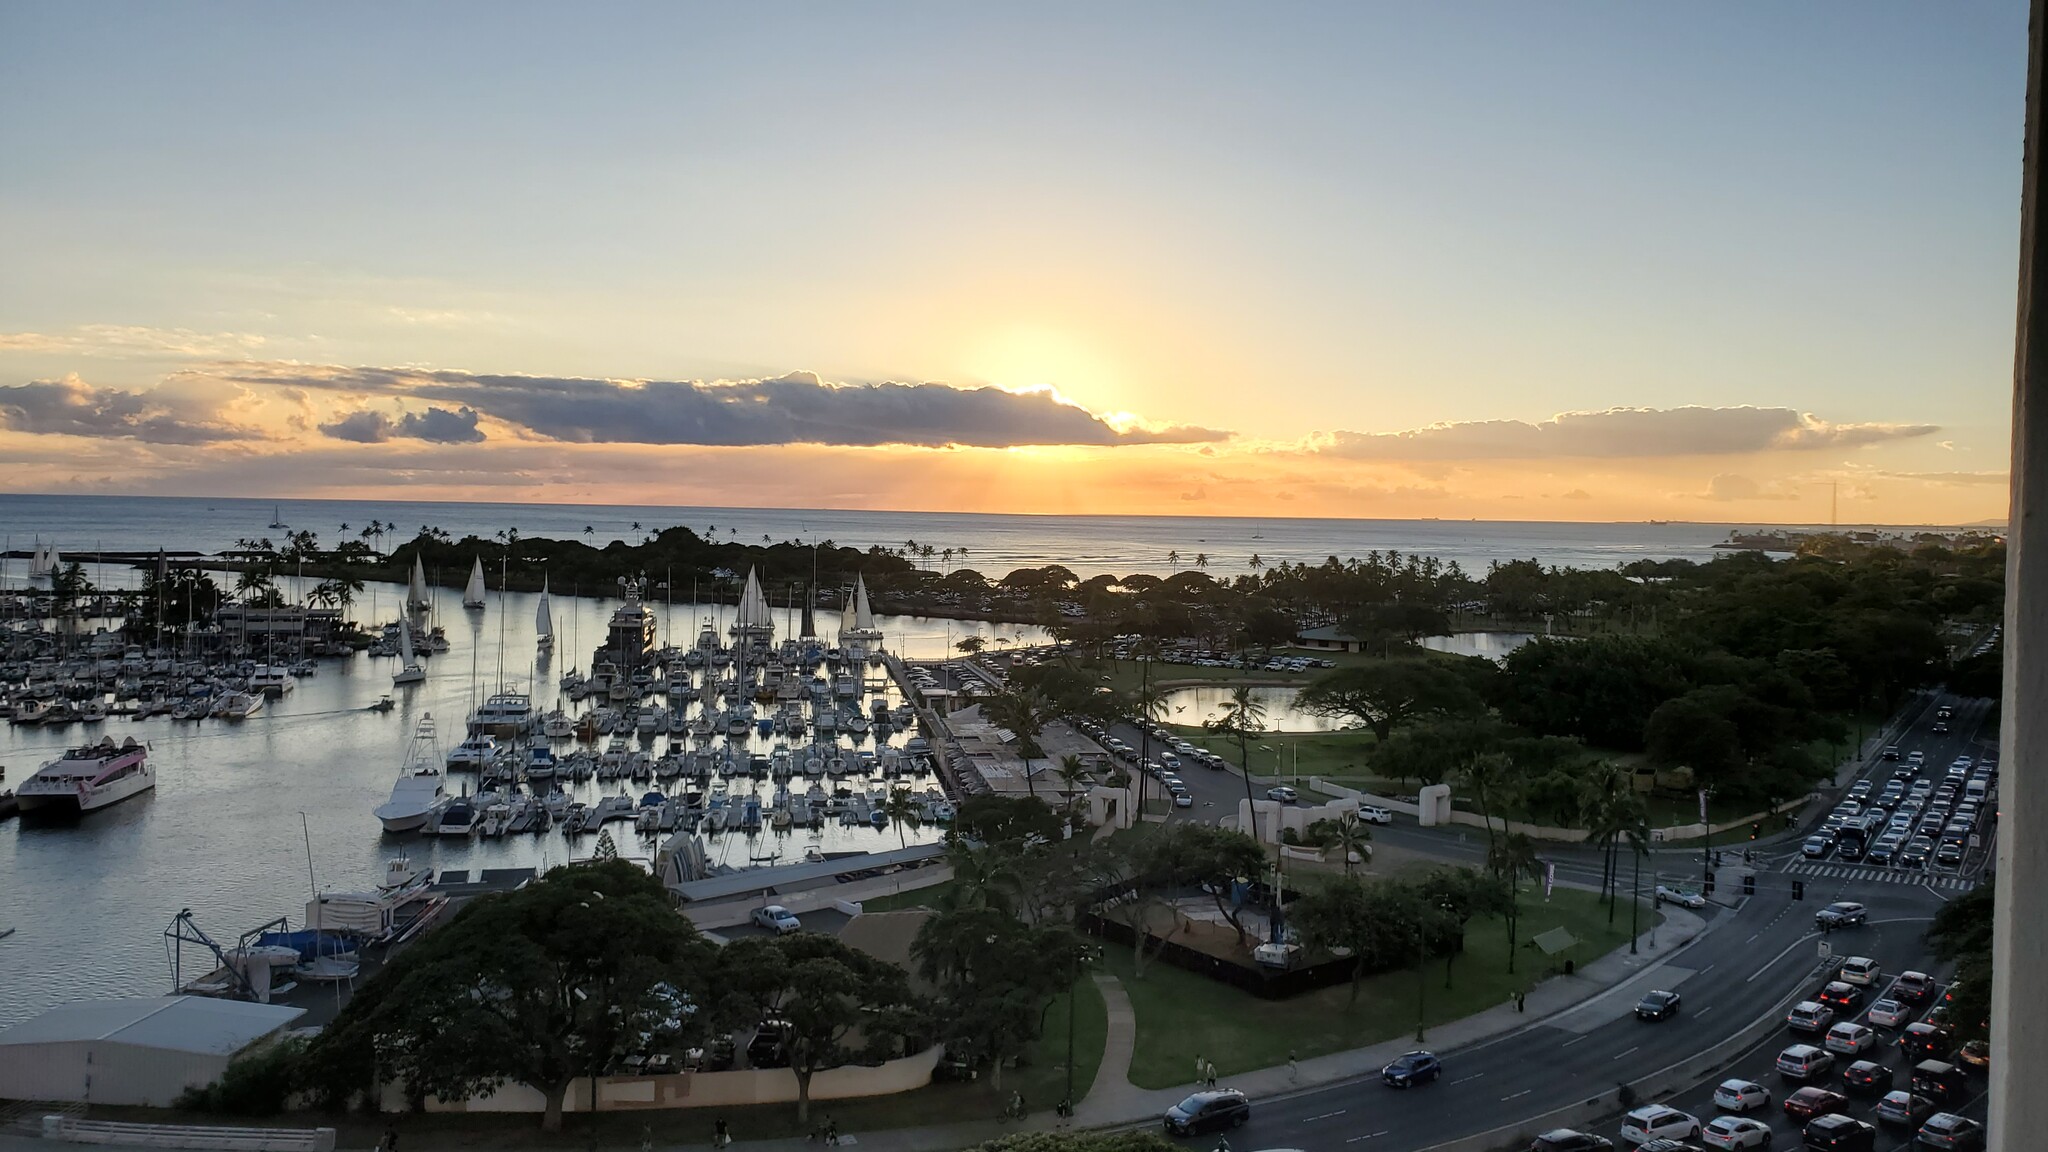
(733, 1089)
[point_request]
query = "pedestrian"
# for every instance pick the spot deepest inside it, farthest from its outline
(390, 1143)
(1209, 1073)
(1293, 1068)
(831, 1132)
(1522, 1001)
(1201, 1068)
(721, 1134)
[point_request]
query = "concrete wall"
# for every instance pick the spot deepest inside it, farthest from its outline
(697, 1089)
(729, 913)
(99, 1072)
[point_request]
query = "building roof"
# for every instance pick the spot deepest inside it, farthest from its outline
(171, 1023)
(1327, 632)
(794, 877)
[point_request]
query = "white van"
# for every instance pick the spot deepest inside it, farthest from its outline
(1860, 970)
(1976, 790)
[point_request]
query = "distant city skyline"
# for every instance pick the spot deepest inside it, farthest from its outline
(1577, 262)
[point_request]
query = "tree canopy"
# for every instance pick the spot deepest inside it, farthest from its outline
(1387, 693)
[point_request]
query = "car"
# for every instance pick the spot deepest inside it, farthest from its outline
(1949, 854)
(1373, 814)
(1817, 846)
(1804, 1062)
(1917, 756)
(1810, 1016)
(1810, 1101)
(1183, 800)
(1939, 727)
(1904, 1109)
(1948, 1130)
(1890, 1013)
(1658, 1122)
(1741, 1095)
(1657, 1006)
(1850, 1039)
(1924, 1042)
(1682, 897)
(1210, 1111)
(1840, 995)
(777, 919)
(1880, 853)
(1836, 1132)
(1891, 751)
(1976, 1054)
(1859, 970)
(1867, 1078)
(1412, 1068)
(1917, 853)
(1735, 1132)
(1283, 794)
(1841, 914)
(1570, 1140)
(770, 1046)
(1860, 790)
(1912, 987)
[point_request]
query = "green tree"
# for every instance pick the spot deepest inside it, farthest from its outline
(1369, 922)
(901, 809)
(822, 991)
(1240, 721)
(995, 977)
(1512, 858)
(535, 987)
(972, 645)
(1389, 693)
(1961, 933)
(1024, 712)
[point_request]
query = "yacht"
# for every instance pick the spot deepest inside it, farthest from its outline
(419, 791)
(272, 680)
(505, 714)
(238, 705)
(89, 778)
(459, 817)
(558, 726)
(473, 753)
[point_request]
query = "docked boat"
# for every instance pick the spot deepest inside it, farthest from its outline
(504, 714)
(272, 680)
(459, 817)
(558, 726)
(89, 778)
(416, 598)
(420, 789)
(238, 705)
(473, 592)
(473, 753)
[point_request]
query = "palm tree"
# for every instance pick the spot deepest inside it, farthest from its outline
(1201, 559)
(1633, 817)
(1173, 558)
(252, 581)
(1242, 718)
(636, 525)
(1604, 809)
(1071, 772)
(1487, 775)
(1512, 858)
(588, 538)
(344, 525)
(1255, 562)
(1025, 712)
(1350, 835)
(900, 809)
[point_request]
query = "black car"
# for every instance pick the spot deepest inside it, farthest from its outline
(1867, 1078)
(1924, 1042)
(770, 1046)
(1841, 914)
(1412, 1068)
(1916, 852)
(1570, 1140)
(1840, 996)
(1210, 1111)
(1657, 1006)
(1836, 1132)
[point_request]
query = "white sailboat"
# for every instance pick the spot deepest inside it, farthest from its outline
(276, 518)
(416, 599)
(543, 621)
(409, 670)
(755, 621)
(473, 592)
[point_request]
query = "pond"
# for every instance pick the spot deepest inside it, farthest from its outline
(1201, 705)
(1492, 645)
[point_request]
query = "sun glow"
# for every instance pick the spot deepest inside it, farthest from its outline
(1023, 356)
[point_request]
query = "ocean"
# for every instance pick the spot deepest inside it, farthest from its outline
(990, 543)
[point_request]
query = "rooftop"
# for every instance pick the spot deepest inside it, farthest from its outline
(175, 1023)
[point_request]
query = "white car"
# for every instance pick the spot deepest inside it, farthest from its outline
(1890, 1013)
(1373, 815)
(1850, 1039)
(1183, 800)
(1735, 1132)
(777, 919)
(1283, 794)
(1741, 1095)
(1658, 1122)
(1680, 897)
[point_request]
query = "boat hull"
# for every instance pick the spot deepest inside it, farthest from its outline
(80, 801)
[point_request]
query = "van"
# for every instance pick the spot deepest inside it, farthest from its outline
(1976, 790)
(1860, 970)
(1940, 1080)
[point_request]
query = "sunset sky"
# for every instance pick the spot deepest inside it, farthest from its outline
(1571, 261)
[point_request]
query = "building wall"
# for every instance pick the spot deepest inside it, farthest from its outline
(99, 1072)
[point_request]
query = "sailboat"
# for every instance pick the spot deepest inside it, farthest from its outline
(473, 592)
(755, 621)
(416, 599)
(276, 518)
(543, 622)
(409, 670)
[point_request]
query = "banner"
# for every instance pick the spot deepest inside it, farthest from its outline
(1703, 805)
(1549, 877)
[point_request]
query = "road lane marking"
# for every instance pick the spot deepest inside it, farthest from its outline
(1575, 1040)
(1324, 1116)
(1474, 1076)
(1619, 1055)
(1368, 1136)
(1704, 971)
(1523, 1092)
(1703, 1011)
(1780, 956)
(1752, 937)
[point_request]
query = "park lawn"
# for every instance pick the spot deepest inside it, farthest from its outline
(1042, 1079)
(1331, 755)
(931, 897)
(1180, 1013)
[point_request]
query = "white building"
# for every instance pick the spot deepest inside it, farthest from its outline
(142, 1051)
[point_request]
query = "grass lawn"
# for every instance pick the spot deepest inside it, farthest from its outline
(1042, 1079)
(1328, 754)
(1180, 1013)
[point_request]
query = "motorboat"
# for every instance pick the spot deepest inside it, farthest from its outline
(557, 725)
(504, 714)
(88, 778)
(473, 753)
(238, 705)
(459, 817)
(420, 789)
(272, 680)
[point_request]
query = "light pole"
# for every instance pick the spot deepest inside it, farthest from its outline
(1635, 904)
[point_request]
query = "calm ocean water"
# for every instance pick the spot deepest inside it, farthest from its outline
(993, 544)
(222, 835)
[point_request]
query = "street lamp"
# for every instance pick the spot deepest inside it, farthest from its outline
(1635, 904)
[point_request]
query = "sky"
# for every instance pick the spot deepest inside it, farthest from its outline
(1744, 262)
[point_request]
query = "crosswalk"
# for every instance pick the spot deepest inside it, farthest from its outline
(1936, 880)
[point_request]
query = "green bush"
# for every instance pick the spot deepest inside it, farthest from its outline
(254, 1084)
(1144, 1140)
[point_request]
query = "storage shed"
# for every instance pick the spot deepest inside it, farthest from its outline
(144, 1050)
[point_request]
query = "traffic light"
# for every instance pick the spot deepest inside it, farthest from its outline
(1799, 889)
(1749, 883)
(1756, 829)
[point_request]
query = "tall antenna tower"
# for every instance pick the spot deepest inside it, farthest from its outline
(1835, 503)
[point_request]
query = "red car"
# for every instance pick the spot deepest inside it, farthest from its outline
(1807, 1103)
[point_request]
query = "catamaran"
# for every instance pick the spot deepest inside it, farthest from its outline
(420, 788)
(89, 778)
(543, 621)
(473, 592)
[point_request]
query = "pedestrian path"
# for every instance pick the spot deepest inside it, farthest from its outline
(1940, 881)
